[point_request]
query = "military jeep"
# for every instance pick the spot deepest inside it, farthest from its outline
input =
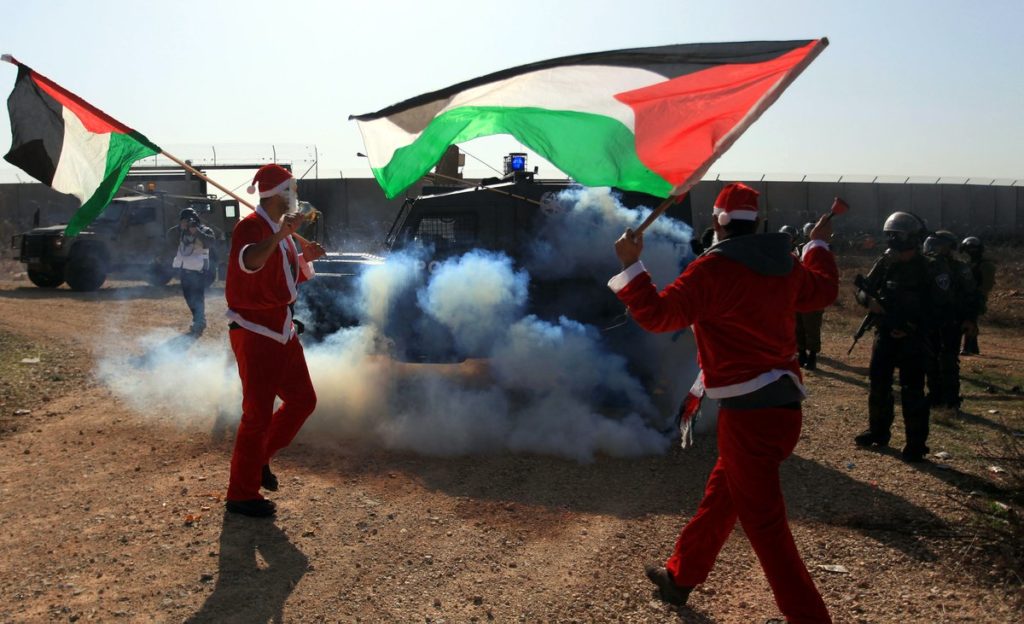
(134, 237)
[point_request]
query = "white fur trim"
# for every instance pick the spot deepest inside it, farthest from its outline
(746, 387)
(283, 336)
(621, 280)
(277, 189)
(241, 260)
(250, 189)
(740, 215)
(814, 244)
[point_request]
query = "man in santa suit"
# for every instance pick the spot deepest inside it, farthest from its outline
(266, 265)
(740, 297)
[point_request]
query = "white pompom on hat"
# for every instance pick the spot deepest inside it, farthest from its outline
(736, 201)
(272, 180)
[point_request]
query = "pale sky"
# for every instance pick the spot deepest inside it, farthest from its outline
(916, 88)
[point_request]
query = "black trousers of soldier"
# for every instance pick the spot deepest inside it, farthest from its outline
(944, 366)
(908, 354)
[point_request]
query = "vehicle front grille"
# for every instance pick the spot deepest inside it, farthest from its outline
(33, 246)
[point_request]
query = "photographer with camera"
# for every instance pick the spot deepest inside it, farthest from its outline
(193, 262)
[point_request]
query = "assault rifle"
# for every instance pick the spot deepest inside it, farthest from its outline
(870, 318)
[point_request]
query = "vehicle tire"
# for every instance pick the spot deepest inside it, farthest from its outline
(85, 273)
(45, 277)
(158, 275)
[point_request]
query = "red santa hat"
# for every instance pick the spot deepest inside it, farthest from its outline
(736, 201)
(272, 180)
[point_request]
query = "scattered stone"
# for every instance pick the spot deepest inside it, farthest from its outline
(996, 470)
(34, 360)
(838, 569)
(205, 578)
(943, 455)
(22, 412)
(993, 411)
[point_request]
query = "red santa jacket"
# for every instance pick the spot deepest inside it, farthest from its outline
(258, 300)
(740, 297)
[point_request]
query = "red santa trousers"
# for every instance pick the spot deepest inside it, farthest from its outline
(744, 485)
(268, 370)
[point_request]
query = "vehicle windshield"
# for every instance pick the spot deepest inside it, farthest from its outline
(112, 213)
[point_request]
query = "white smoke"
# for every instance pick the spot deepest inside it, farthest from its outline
(576, 238)
(513, 383)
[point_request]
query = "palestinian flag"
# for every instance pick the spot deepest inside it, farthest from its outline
(646, 119)
(66, 143)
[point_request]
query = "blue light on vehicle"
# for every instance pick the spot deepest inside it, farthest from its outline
(515, 162)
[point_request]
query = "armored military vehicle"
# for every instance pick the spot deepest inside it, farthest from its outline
(134, 237)
(498, 215)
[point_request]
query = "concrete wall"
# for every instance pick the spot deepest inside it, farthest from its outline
(357, 215)
(992, 212)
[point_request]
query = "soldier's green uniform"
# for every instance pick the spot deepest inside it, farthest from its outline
(903, 278)
(984, 272)
(954, 302)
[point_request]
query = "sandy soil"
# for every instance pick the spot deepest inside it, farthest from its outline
(111, 514)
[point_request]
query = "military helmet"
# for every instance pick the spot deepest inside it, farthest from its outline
(790, 230)
(904, 231)
(807, 229)
(972, 244)
(948, 237)
(903, 222)
(188, 214)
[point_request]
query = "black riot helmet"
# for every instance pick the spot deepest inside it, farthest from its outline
(972, 246)
(188, 214)
(807, 229)
(790, 231)
(944, 243)
(904, 231)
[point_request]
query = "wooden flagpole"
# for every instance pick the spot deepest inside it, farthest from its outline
(202, 176)
(660, 210)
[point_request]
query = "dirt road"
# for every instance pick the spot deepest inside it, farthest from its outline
(109, 512)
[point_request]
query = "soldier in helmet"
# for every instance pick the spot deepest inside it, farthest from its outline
(901, 280)
(954, 311)
(808, 327)
(984, 272)
(193, 263)
(792, 233)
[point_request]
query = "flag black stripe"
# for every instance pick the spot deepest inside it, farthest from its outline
(37, 129)
(670, 61)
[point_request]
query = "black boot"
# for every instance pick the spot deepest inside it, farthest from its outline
(802, 358)
(868, 439)
(667, 588)
(268, 480)
(255, 508)
(812, 361)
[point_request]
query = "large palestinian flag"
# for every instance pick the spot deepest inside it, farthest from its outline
(646, 119)
(66, 143)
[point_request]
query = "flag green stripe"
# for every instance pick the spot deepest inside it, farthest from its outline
(124, 151)
(592, 149)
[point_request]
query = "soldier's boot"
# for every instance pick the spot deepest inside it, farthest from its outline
(869, 438)
(802, 358)
(812, 361)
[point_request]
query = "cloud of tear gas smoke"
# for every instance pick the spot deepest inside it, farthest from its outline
(175, 376)
(476, 297)
(521, 383)
(583, 223)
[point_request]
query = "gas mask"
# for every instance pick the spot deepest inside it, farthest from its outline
(901, 241)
